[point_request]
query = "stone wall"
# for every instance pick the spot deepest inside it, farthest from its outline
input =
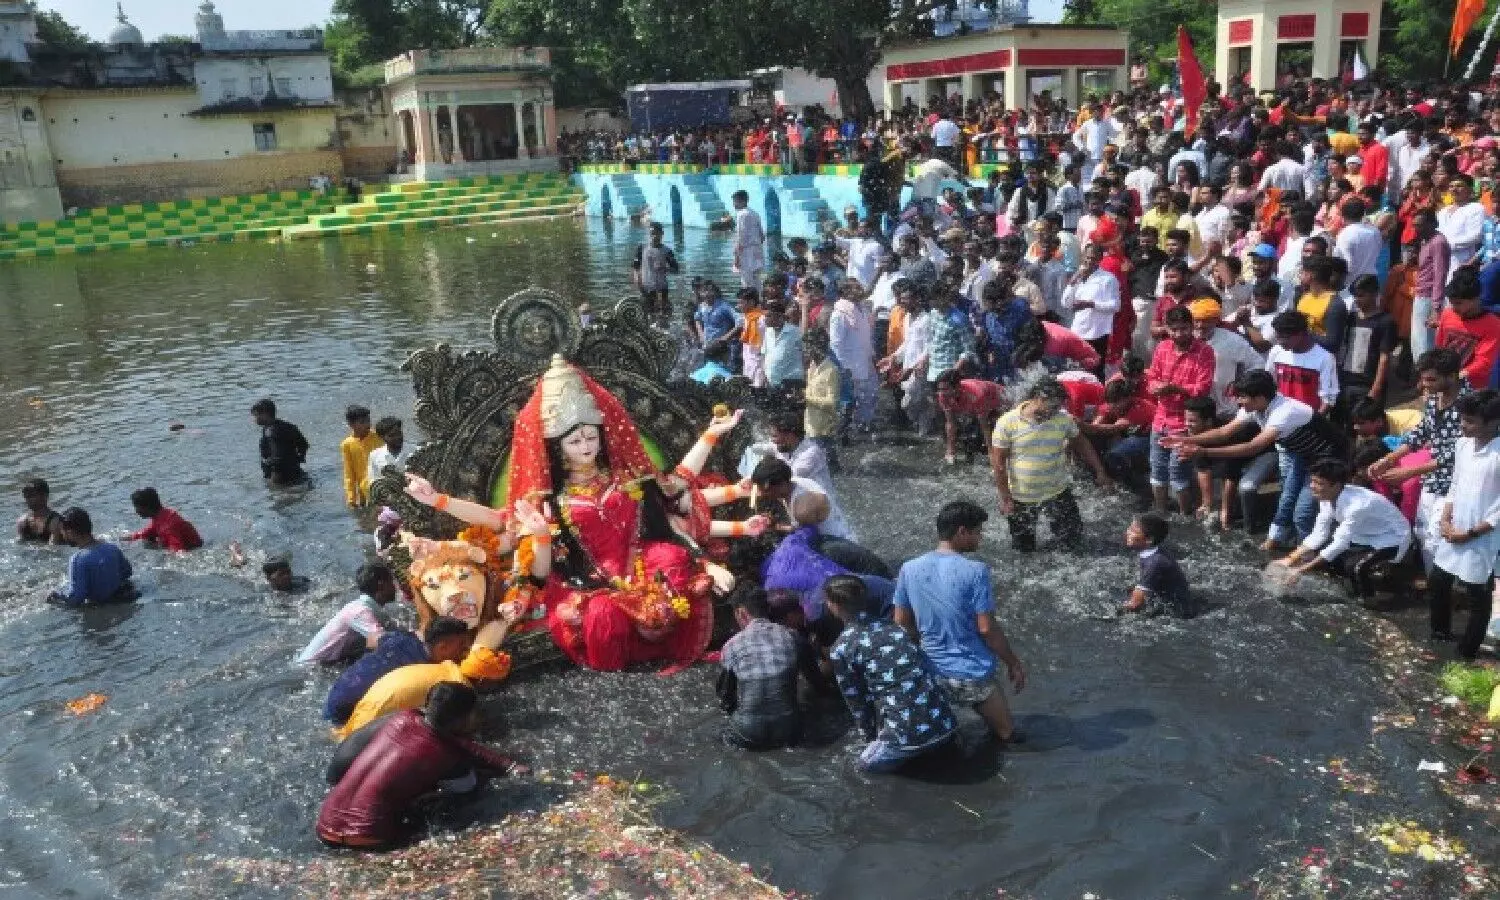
(369, 163)
(156, 182)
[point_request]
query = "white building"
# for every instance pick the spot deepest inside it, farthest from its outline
(17, 29)
(259, 67)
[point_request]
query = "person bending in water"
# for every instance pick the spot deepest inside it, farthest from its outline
(444, 639)
(404, 687)
(98, 572)
(40, 523)
(948, 601)
(1160, 587)
(283, 449)
(757, 684)
(167, 530)
(886, 682)
(1357, 530)
(358, 626)
(411, 754)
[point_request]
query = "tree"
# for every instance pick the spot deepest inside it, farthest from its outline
(57, 33)
(1153, 27)
(365, 32)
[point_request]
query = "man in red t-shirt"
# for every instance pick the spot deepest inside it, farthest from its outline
(1122, 425)
(958, 397)
(1468, 330)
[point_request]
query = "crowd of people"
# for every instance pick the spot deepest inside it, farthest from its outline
(1245, 308)
(1214, 315)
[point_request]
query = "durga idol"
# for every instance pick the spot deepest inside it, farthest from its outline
(624, 580)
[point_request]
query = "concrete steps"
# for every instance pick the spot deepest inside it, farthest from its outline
(429, 204)
(803, 203)
(701, 189)
(629, 200)
(183, 222)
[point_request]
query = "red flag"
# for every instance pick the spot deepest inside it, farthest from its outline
(1464, 17)
(1194, 88)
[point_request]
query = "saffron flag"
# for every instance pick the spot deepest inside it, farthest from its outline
(1464, 17)
(1194, 88)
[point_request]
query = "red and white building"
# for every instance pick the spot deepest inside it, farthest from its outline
(1261, 42)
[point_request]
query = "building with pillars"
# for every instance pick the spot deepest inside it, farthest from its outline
(1016, 61)
(1261, 41)
(475, 111)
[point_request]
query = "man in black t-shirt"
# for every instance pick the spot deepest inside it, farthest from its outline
(1365, 357)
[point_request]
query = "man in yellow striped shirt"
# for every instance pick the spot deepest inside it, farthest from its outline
(1031, 467)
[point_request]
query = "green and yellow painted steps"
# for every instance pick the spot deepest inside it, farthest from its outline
(201, 220)
(432, 204)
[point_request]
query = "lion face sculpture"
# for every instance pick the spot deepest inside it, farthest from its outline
(450, 577)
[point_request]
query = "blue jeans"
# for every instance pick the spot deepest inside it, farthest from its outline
(1120, 459)
(1296, 509)
(1167, 468)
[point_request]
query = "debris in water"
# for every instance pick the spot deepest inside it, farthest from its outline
(86, 704)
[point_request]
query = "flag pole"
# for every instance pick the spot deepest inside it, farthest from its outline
(1484, 43)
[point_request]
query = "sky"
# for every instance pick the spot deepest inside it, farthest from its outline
(158, 17)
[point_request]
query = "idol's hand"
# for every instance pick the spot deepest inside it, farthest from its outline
(755, 526)
(722, 425)
(533, 521)
(420, 489)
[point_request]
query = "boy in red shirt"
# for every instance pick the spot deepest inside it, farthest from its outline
(1127, 418)
(167, 530)
(958, 397)
(1468, 330)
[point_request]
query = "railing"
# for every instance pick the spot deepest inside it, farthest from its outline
(467, 59)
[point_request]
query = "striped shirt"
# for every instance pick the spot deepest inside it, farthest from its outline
(1037, 467)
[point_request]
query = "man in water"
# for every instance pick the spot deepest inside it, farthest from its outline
(40, 522)
(894, 698)
(359, 625)
(654, 261)
(444, 639)
(409, 755)
(947, 601)
(749, 241)
(98, 572)
(283, 449)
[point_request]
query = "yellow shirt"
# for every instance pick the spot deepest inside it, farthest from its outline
(356, 453)
(1344, 144)
(1400, 421)
(1315, 307)
(406, 687)
(822, 396)
(1195, 237)
(1163, 222)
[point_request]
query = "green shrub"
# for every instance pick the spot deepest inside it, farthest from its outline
(1474, 685)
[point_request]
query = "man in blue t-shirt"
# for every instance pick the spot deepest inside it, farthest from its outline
(947, 600)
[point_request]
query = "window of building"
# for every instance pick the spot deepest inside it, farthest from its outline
(265, 135)
(257, 86)
(284, 87)
(228, 87)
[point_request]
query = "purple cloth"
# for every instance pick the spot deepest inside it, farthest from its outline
(796, 566)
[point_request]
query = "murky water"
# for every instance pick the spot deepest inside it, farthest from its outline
(1148, 775)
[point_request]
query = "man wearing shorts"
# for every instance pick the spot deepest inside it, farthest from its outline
(947, 600)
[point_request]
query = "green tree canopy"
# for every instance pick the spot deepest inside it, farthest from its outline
(54, 31)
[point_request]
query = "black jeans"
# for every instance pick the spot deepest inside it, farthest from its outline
(1365, 567)
(1062, 515)
(1440, 585)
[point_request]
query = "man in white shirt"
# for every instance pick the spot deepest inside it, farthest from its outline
(1233, 355)
(1091, 137)
(1092, 296)
(749, 241)
(1406, 157)
(945, 135)
(394, 452)
(1462, 223)
(775, 481)
(1359, 243)
(1143, 181)
(1213, 220)
(927, 183)
(864, 254)
(1356, 530)
(1286, 173)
